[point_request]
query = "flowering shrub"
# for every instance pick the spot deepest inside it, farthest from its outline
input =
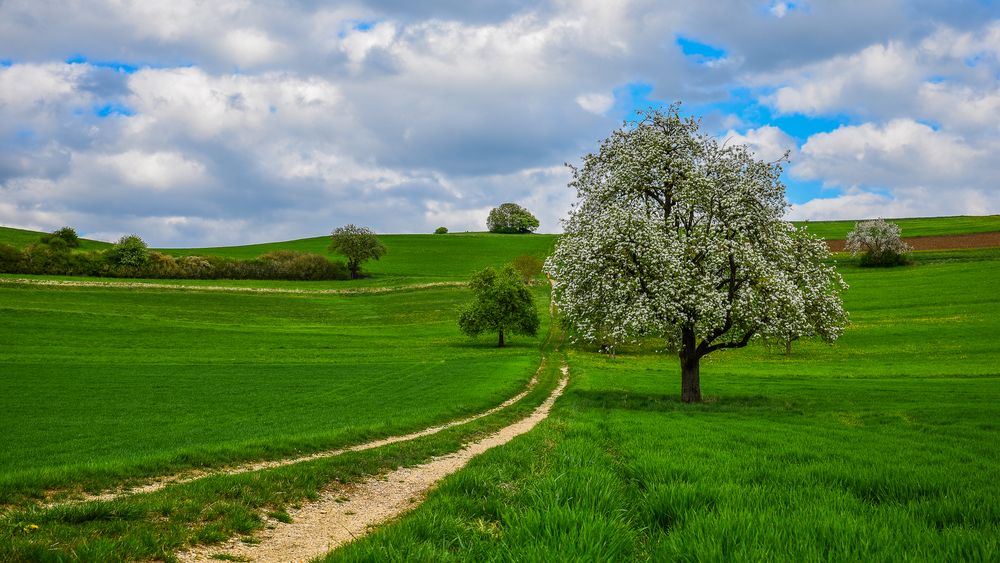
(880, 241)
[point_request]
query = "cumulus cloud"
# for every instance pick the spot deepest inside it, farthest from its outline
(768, 143)
(158, 170)
(227, 122)
(595, 103)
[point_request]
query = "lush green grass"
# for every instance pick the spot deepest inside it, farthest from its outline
(155, 526)
(880, 448)
(915, 227)
(409, 258)
(21, 238)
(106, 384)
(423, 257)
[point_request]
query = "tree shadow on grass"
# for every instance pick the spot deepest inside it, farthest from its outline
(664, 402)
(483, 344)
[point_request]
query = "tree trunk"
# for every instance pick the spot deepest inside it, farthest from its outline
(690, 368)
(500, 345)
(690, 380)
(788, 347)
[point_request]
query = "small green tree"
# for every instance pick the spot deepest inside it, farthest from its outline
(441, 231)
(529, 267)
(503, 304)
(130, 250)
(69, 235)
(357, 244)
(511, 218)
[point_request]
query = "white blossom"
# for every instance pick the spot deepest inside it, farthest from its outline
(679, 237)
(876, 237)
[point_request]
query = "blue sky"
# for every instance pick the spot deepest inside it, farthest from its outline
(193, 124)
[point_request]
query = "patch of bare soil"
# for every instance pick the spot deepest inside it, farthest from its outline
(347, 513)
(939, 242)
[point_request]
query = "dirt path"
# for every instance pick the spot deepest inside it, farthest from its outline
(344, 514)
(939, 242)
(188, 476)
(153, 285)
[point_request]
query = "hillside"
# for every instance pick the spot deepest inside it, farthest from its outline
(535, 244)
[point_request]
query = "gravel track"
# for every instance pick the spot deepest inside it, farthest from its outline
(182, 287)
(346, 513)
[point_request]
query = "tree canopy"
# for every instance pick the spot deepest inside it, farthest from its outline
(881, 242)
(503, 304)
(511, 218)
(680, 237)
(357, 244)
(130, 250)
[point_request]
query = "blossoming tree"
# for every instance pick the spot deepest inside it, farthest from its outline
(680, 237)
(880, 240)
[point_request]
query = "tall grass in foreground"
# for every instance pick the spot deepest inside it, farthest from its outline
(881, 448)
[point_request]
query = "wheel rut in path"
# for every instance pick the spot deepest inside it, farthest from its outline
(347, 513)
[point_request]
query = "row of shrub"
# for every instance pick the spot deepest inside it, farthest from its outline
(131, 258)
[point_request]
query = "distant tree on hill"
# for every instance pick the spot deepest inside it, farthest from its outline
(357, 244)
(441, 231)
(680, 237)
(881, 242)
(130, 250)
(65, 234)
(511, 218)
(503, 304)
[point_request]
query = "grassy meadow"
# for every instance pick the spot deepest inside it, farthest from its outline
(882, 447)
(912, 227)
(105, 384)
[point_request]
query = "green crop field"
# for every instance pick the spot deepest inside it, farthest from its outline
(883, 447)
(105, 383)
(21, 238)
(413, 258)
(915, 227)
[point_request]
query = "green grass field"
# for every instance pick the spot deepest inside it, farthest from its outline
(21, 238)
(104, 384)
(883, 447)
(915, 227)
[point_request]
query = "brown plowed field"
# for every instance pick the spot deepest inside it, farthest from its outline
(941, 242)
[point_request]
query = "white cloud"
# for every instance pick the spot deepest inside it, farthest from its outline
(32, 89)
(190, 101)
(359, 42)
(250, 47)
(158, 170)
(779, 9)
(871, 80)
(768, 143)
(595, 103)
(900, 153)
(912, 202)
(278, 120)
